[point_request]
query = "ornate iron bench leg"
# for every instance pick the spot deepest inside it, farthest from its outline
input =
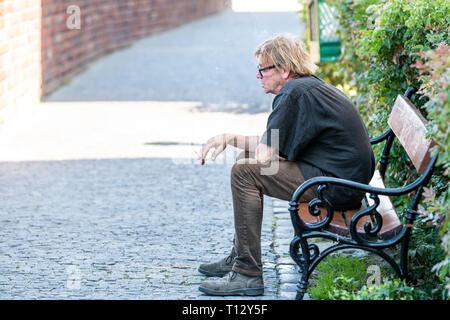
(302, 286)
(302, 263)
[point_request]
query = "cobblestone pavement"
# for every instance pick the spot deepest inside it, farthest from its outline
(115, 229)
(103, 200)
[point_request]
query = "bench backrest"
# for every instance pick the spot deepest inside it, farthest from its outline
(410, 128)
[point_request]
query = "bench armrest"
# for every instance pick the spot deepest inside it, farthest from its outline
(381, 138)
(365, 187)
(325, 181)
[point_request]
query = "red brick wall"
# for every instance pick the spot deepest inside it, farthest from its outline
(106, 25)
(38, 52)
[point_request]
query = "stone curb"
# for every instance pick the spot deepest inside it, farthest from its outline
(283, 233)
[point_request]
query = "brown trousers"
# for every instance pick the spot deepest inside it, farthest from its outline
(248, 186)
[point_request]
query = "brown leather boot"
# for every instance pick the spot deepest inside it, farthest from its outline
(234, 284)
(217, 269)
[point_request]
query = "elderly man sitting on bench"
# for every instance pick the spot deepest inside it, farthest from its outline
(313, 130)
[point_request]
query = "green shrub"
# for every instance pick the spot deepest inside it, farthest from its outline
(434, 68)
(388, 290)
(337, 267)
(388, 46)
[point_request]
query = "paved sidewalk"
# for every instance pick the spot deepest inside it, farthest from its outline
(100, 193)
(287, 269)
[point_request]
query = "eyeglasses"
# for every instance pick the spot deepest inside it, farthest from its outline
(264, 69)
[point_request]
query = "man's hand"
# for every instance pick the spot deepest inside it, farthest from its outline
(218, 142)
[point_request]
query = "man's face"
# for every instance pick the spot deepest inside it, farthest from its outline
(271, 80)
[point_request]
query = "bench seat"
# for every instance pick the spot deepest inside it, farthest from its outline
(341, 219)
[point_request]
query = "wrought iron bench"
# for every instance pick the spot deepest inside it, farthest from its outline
(375, 226)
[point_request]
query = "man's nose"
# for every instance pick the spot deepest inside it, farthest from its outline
(258, 75)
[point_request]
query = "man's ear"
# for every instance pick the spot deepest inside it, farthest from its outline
(286, 74)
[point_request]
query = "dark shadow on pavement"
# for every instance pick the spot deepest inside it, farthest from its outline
(209, 61)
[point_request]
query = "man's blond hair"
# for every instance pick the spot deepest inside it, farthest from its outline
(287, 52)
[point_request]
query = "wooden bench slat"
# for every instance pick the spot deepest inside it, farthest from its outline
(410, 128)
(339, 224)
